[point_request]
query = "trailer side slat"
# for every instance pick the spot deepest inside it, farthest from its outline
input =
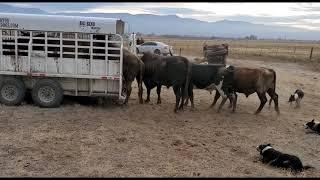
(91, 57)
(80, 76)
(16, 48)
(76, 63)
(106, 62)
(1, 52)
(61, 55)
(46, 50)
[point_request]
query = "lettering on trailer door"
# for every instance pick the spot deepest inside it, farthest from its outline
(5, 23)
(89, 26)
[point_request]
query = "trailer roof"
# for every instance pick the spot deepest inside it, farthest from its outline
(60, 23)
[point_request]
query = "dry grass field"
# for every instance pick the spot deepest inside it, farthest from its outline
(86, 139)
(295, 51)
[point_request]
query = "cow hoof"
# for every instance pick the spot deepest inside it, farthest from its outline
(141, 102)
(147, 101)
(158, 102)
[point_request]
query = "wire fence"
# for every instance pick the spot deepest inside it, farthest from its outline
(282, 50)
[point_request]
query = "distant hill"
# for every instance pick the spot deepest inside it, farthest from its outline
(174, 25)
(4, 8)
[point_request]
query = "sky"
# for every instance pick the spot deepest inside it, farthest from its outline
(301, 15)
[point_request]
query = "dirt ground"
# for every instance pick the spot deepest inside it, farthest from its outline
(79, 139)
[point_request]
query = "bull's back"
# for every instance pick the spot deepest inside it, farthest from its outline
(176, 69)
(166, 70)
(248, 80)
(245, 80)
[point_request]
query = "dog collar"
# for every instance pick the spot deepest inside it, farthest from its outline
(266, 148)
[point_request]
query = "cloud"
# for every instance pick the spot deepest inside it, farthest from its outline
(23, 5)
(304, 15)
(119, 10)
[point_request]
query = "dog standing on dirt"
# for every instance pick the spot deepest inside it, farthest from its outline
(278, 159)
(297, 96)
(313, 125)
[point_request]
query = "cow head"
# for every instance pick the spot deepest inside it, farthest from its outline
(124, 86)
(226, 72)
(224, 81)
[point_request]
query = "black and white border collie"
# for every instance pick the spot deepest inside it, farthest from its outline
(297, 97)
(313, 125)
(276, 158)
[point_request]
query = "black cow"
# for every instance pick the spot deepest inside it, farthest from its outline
(169, 71)
(210, 77)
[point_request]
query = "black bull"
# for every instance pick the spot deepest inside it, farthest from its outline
(169, 71)
(210, 77)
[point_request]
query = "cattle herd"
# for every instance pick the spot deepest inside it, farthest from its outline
(183, 76)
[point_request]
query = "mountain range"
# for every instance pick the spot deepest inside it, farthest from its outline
(174, 25)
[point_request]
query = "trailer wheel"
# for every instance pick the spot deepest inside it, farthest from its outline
(47, 93)
(12, 91)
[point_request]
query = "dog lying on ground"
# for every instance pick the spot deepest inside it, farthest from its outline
(313, 125)
(297, 97)
(278, 159)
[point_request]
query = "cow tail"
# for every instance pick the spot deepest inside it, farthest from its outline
(142, 68)
(188, 78)
(274, 80)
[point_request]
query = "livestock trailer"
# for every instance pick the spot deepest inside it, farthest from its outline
(52, 56)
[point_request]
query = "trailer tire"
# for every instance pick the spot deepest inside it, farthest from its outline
(12, 91)
(47, 93)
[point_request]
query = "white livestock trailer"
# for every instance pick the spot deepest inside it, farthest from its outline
(52, 56)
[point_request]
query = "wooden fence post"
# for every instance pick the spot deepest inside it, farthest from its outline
(311, 53)
(180, 52)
